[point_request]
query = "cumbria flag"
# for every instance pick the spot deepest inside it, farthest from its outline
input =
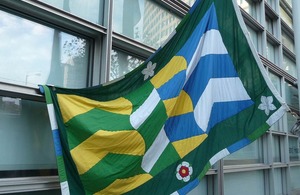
(201, 96)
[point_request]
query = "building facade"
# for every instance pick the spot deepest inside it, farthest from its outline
(74, 44)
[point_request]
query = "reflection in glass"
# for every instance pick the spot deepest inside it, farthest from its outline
(245, 183)
(33, 54)
(201, 188)
(247, 6)
(295, 178)
(254, 37)
(91, 10)
(287, 41)
(26, 145)
(143, 21)
(291, 121)
(289, 66)
(247, 155)
(291, 95)
(294, 148)
(122, 63)
(286, 18)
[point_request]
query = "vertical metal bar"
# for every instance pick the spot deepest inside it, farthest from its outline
(109, 38)
(107, 42)
(221, 177)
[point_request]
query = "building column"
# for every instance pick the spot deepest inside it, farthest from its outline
(296, 26)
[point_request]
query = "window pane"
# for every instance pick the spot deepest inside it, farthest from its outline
(287, 41)
(248, 6)
(122, 63)
(278, 181)
(295, 178)
(245, 183)
(291, 121)
(25, 142)
(289, 2)
(276, 149)
(294, 149)
(271, 52)
(291, 95)
(144, 21)
(34, 54)
(269, 24)
(289, 66)
(286, 18)
(271, 3)
(247, 155)
(91, 10)
(201, 188)
(254, 37)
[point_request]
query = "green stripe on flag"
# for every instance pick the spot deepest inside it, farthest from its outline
(81, 127)
(104, 172)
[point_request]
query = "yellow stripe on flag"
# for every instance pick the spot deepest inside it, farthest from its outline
(121, 186)
(96, 147)
(176, 64)
(73, 105)
(185, 146)
(183, 105)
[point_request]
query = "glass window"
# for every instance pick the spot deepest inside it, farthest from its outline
(287, 41)
(122, 63)
(276, 148)
(291, 121)
(276, 81)
(144, 21)
(291, 95)
(254, 37)
(289, 2)
(91, 10)
(248, 6)
(286, 18)
(295, 178)
(278, 183)
(201, 188)
(245, 183)
(271, 3)
(269, 24)
(26, 144)
(34, 54)
(289, 66)
(247, 155)
(271, 52)
(294, 148)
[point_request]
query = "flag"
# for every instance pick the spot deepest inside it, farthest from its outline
(201, 96)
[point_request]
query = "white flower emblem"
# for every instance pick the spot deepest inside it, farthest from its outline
(266, 104)
(149, 70)
(184, 171)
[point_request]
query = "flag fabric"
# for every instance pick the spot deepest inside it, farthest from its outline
(201, 96)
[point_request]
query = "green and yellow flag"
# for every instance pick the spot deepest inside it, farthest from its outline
(203, 95)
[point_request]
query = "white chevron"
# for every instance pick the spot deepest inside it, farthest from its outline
(218, 90)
